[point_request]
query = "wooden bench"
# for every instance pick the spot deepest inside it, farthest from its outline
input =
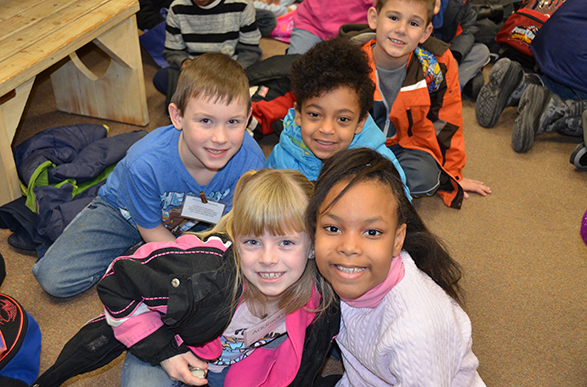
(37, 34)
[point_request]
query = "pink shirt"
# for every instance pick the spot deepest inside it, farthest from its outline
(324, 18)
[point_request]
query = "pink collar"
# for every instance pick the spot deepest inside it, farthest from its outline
(373, 297)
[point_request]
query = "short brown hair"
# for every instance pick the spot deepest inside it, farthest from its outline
(215, 76)
(379, 4)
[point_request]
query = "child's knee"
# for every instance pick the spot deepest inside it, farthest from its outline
(57, 283)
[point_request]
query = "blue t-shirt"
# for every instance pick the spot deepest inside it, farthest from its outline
(149, 185)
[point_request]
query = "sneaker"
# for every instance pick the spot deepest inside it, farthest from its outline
(579, 156)
(530, 109)
(504, 78)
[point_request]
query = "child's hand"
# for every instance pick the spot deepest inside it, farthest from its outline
(476, 186)
(178, 368)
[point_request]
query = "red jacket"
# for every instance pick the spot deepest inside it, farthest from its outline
(427, 115)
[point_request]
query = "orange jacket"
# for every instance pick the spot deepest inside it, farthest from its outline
(429, 120)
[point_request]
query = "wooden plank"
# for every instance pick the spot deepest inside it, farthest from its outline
(44, 27)
(119, 94)
(30, 16)
(13, 108)
(10, 8)
(9, 184)
(18, 68)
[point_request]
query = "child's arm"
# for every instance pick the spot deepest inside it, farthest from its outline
(470, 185)
(157, 234)
(247, 49)
(461, 44)
(175, 52)
(450, 110)
(177, 367)
(446, 113)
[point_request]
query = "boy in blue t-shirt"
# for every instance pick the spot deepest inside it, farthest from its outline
(334, 93)
(199, 158)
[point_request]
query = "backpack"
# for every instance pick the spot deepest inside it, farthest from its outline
(20, 341)
(519, 30)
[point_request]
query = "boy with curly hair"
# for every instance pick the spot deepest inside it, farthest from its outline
(334, 93)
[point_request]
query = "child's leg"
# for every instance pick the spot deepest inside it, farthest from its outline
(136, 373)
(422, 171)
(82, 253)
(301, 41)
(472, 63)
(266, 21)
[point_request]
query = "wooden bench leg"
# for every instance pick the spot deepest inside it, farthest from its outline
(118, 95)
(10, 114)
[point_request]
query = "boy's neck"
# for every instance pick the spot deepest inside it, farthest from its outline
(381, 59)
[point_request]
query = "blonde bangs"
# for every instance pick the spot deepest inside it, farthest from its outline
(275, 205)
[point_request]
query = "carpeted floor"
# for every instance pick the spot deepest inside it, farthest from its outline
(525, 262)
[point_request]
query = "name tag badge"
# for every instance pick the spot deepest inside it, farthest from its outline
(257, 332)
(195, 208)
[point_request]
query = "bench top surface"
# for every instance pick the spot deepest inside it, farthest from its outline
(35, 34)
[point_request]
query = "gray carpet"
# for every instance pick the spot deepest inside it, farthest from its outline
(525, 262)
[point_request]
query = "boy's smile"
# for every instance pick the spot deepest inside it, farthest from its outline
(400, 26)
(330, 121)
(212, 132)
(357, 237)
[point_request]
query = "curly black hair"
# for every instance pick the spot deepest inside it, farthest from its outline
(331, 64)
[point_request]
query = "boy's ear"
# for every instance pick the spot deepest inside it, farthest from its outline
(297, 114)
(361, 124)
(175, 116)
(400, 236)
(427, 33)
(372, 18)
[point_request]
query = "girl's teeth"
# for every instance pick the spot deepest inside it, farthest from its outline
(350, 270)
(270, 275)
(215, 151)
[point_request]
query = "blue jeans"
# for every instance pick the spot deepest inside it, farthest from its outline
(82, 253)
(136, 373)
(301, 41)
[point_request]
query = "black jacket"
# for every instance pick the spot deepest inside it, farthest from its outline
(195, 313)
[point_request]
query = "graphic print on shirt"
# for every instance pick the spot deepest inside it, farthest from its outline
(234, 349)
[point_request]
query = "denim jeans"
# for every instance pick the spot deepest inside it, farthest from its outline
(136, 373)
(301, 41)
(82, 253)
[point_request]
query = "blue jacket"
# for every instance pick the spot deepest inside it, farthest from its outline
(292, 153)
(61, 170)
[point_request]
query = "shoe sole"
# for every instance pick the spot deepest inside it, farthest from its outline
(530, 110)
(493, 97)
(579, 156)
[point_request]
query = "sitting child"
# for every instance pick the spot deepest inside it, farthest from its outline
(401, 320)
(418, 100)
(240, 305)
(318, 20)
(333, 95)
(203, 154)
(200, 26)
